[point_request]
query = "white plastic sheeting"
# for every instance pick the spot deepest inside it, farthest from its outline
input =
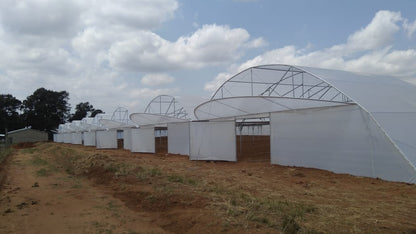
(59, 137)
(68, 137)
(113, 124)
(341, 139)
(127, 138)
(213, 141)
(178, 138)
(76, 138)
(106, 139)
(401, 127)
(252, 106)
(89, 138)
(153, 119)
(392, 102)
(143, 140)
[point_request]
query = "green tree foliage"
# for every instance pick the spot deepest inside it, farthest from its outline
(9, 115)
(95, 112)
(81, 111)
(46, 109)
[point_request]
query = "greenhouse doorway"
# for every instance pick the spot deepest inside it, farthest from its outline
(253, 140)
(161, 140)
(120, 139)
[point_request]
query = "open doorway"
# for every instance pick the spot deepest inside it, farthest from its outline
(161, 140)
(120, 139)
(253, 140)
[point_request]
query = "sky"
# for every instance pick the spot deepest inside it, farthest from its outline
(126, 52)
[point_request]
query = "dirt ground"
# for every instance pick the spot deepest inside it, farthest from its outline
(62, 188)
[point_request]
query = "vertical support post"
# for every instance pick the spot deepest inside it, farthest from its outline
(251, 77)
(303, 85)
(293, 85)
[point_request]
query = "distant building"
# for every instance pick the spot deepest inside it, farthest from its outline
(26, 135)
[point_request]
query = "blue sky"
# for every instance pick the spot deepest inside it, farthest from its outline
(124, 53)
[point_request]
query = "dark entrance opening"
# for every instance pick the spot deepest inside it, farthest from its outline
(120, 139)
(161, 140)
(253, 140)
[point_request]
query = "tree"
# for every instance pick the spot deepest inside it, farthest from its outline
(81, 111)
(95, 112)
(46, 109)
(9, 115)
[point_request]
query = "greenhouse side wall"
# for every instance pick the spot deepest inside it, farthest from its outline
(340, 139)
(143, 140)
(106, 139)
(213, 141)
(178, 138)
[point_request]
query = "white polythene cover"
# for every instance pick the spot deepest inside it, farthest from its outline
(106, 139)
(391, 101)
(76, 138)
(113, 124)
(127, 138)
(341, 139)
(89, 138)
(68, 137)
(143, 140)
(213, 141)
(178, 138)
(153, 119)
(401, 127)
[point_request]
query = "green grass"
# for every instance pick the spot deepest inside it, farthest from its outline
(282, 215)
(181, 179)
(29, 150)
(43, 172)
(36, 160)
(147, 173)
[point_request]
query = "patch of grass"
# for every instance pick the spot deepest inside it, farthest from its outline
(279, 214)
(76, 185)
(181, 179)
(155, 172)
(176, 179)
(146, 173)
(29, 150)
(289, 224)
(38, 161)
(43, 172)
(119, 169)
(112, 206)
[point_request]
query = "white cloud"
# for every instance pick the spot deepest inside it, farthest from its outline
(368, 50)
(409, 27)
(379, 33)
(137, 14)
(47, 17)
(63, 45)
(209, 45)
(256, 43)
(156, 79)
